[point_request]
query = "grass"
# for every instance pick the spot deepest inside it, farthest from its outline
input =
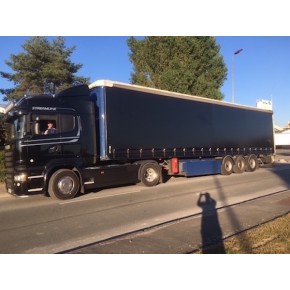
(270, 238)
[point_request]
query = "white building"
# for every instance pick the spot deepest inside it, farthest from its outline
(282, 138)
(264, 104)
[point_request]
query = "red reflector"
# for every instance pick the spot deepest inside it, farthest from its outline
(174, 165)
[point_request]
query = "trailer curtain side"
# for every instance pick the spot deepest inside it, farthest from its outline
(142, 125)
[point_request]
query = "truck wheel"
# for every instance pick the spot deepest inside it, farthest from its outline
(268, 161)
(63, 184)
(240, 164)
(227, 165)
(251, 163)
(150, 174)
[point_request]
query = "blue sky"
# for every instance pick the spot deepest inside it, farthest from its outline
(261, 70)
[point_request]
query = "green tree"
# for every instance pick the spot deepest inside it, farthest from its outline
(190, 65)
(43, 67)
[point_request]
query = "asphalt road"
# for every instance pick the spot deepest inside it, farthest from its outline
(42, 225)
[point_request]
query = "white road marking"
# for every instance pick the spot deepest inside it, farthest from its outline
(97, 197)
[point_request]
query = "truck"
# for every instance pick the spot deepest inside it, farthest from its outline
(111, 134)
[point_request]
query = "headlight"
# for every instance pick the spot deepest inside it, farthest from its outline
(20, 177)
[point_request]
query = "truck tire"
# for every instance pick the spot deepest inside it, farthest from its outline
(252, 163)
(150, 174)
(227, 165)
(240, 164)
(63, 184)
(268, 161)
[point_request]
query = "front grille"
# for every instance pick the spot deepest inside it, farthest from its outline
(9, 168)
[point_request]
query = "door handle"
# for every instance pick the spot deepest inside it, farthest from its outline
(54, 149)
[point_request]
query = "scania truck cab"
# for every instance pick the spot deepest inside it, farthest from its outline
(32, 156)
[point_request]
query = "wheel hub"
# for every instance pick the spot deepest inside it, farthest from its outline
(65, 185)
(150, 175)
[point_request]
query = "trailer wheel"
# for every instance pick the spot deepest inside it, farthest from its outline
(63, 184)
(251, 163)
(227, 165)
(268, 161)
(240, 164)
(150, 174)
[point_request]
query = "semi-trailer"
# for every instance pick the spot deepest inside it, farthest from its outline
(111, 133)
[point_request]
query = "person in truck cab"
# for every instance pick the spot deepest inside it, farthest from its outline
(50, 128)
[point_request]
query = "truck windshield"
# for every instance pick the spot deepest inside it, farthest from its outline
(16, 128)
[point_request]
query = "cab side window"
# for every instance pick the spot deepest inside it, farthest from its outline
(68, 123)
(43, 124)
(52, 124)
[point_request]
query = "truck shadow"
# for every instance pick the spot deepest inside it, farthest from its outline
(211, 232)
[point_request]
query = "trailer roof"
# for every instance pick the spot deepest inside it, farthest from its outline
(109, 83)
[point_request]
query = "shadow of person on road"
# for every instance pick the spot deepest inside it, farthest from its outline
(211, 232)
